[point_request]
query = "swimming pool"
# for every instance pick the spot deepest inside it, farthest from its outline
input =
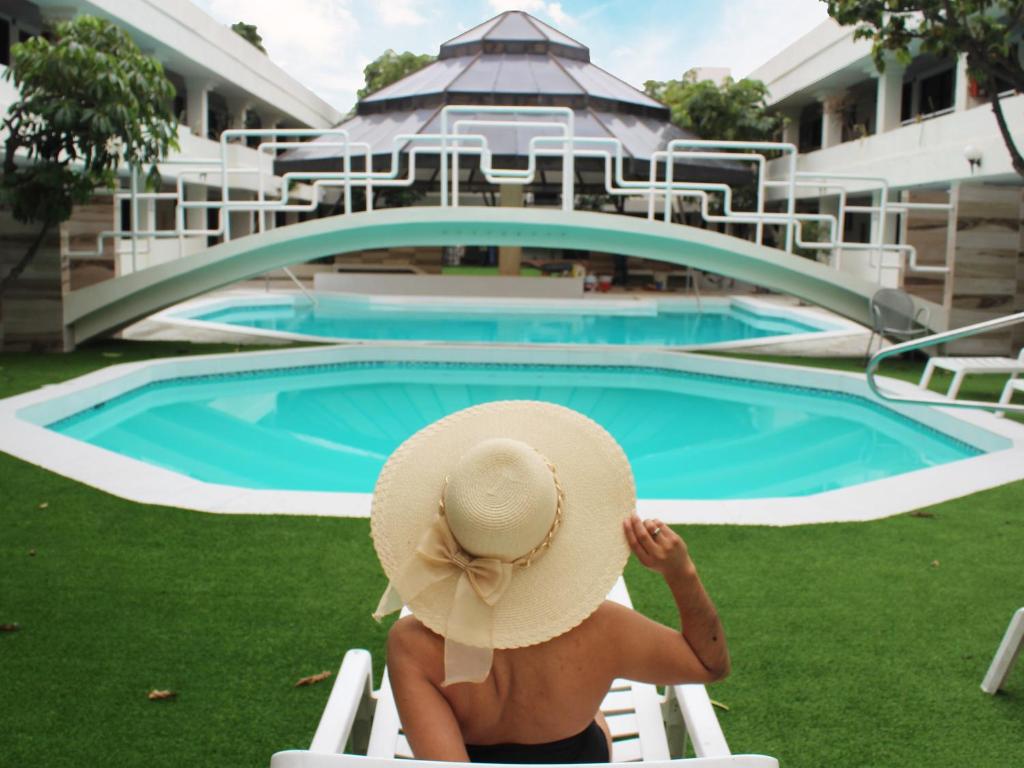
(770, 454)
(688, 436)
(677, 323)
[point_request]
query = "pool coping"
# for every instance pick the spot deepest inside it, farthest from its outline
(184, 316)
(146, 484)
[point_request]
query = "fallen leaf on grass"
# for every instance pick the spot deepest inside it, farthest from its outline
(312, 679)
(9, 627)
(44, 505)
(935, 563)
(720, 705)
(921, 513)
(111, 354)
(155, 695)
(31, 553)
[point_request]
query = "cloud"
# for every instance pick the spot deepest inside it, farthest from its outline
(316, 42)
(552, 11)
(753, 31)
(397, 13)
(742, 36)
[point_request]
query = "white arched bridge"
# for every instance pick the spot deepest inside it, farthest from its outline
(460, 155)
(115, 303)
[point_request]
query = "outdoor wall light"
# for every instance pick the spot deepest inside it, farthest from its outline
(973, 156)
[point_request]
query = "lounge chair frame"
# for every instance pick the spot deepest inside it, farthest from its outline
(360, 727)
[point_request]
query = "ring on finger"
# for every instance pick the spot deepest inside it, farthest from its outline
(656, 531)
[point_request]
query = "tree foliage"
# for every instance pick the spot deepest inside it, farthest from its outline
(736, 110)
(390, 67)
(249, 33)
(89, 101)
(988, 31)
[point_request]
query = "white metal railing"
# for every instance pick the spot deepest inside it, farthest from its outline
(305, 191)
(931, 341)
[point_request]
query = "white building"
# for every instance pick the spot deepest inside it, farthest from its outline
(930, 132)
(222, 81)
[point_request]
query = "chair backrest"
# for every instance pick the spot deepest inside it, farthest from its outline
(892, 310)
(633, 711)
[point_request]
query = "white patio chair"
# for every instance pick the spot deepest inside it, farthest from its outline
(1012, 385)
(646, 726)
(1006, 654)
(893, 315)
(961, 366)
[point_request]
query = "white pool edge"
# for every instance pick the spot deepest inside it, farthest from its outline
(140, 482)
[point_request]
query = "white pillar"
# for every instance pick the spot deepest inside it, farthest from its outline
(791, 131)
(960, 95)
(236, 112)
(197, 108)
(889, 101)
(832, 121)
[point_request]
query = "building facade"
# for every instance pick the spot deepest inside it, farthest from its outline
(222, 82)
(929, 131)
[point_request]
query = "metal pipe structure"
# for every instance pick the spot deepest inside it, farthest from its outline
(931, 341)
(304, 191)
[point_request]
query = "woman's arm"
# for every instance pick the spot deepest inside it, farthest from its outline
(426, 716)
(702, 655)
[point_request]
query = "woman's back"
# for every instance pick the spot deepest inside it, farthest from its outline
(537, 694)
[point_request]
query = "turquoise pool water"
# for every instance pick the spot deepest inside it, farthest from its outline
(341, 318)
(688, 436)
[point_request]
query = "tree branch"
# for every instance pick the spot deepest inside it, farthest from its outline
(1015, 155)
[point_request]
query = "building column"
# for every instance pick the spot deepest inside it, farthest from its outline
(197, 108)
(889, 101)
(510, 257)
(960, 94)
(791, 131)
(236, 112)
(832, 120)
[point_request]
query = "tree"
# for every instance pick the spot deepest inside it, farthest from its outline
(59, 150)
(248, 32)
(390, 67)
(988, 31)
(736, 110)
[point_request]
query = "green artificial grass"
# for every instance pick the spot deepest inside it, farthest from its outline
(852, 644)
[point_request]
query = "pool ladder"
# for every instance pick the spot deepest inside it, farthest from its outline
(931, 341)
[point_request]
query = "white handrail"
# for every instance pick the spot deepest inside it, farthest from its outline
(930, 341)
(276, 193)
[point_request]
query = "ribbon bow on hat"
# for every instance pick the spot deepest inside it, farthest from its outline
(482, 582)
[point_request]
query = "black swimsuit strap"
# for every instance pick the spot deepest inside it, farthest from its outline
(587, 746)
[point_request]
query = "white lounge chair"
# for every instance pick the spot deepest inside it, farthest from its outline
(1006, 654)
(961, 366)
(1012, 385)
(644, 724)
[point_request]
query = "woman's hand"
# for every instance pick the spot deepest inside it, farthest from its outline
(657, 546)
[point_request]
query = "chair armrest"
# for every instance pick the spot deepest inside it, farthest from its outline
(693, 704)
(351, 700)
(922, 316)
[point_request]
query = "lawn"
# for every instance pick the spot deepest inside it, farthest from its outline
(852, 644)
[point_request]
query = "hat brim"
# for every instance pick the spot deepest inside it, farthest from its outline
(567, 583)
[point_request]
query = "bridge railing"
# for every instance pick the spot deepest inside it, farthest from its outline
(556, 137)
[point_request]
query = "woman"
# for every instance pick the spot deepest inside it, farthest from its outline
(503, 527)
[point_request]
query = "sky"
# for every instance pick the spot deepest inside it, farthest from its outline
(324, 44)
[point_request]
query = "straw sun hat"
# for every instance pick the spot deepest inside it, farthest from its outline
(500, 526)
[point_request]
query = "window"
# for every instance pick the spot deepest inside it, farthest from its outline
(937, 92)
(810, 127)
(5, 42)
(928, 89)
